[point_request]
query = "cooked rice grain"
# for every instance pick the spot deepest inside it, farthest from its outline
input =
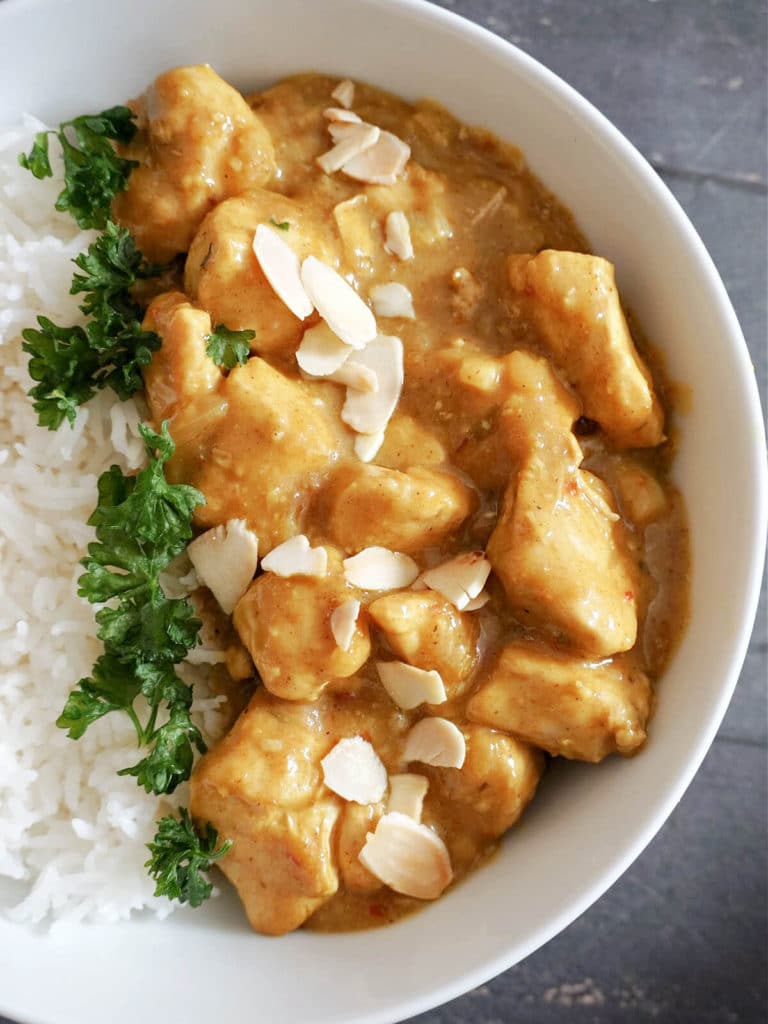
(70, 828)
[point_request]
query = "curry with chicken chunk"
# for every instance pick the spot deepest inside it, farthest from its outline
(439, 530)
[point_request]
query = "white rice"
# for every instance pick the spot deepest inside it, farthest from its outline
(72, 832)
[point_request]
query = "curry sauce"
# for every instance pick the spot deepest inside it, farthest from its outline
(527, 435)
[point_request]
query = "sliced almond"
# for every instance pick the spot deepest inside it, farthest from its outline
(369, 413)
(367, 445)
(392, 299)
(407, 856)
(409, 686)
(340, 130)
(380, 569)
(355, 376)
(341, 116)
(406, 794)
(381, 163)
(460, 579)
(225, 560)
(357, 139)
(280, 266)
(478, 602)
(295, 557)
(338, 303)
(344, 622)
(398, 235)
(435, 741)
(321, 352)
(354, 771)
(344, 93)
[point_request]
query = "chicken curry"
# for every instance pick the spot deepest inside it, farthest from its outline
(439, 541)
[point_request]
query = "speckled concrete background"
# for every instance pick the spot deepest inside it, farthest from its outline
(683, 936)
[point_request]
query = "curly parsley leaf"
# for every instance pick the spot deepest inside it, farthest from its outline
(169, 761)
(93, 171)
(70, 364)
(229, 348)
(112, 686)
(180, 854)
(142, 523)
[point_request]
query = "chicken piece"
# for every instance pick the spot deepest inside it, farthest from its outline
(640, 494)
(267, 456)
(573, 301)
(407, 442)
(262, 786)
(223, 275)
(559, 547)
(286, 625)
(564, 705)
(368, 505)
(181, 372)
(486, 796)
(198, 142)
(427, 631)
(357, 820)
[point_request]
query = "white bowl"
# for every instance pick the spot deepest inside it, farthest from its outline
(588, 824)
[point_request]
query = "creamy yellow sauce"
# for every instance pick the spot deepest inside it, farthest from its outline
(529, 428)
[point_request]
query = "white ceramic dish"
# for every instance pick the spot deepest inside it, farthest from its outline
(587, 826)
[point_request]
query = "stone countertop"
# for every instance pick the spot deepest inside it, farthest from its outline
(682, 937)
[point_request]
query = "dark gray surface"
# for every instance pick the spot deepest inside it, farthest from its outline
(682, 937)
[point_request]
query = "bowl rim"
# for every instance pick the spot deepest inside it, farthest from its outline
(587, 117)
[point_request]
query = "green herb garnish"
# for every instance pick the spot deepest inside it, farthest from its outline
(93, 172)
(229, 348)
(180, 853)
(142, 523)
(282, 225)
(70, 364)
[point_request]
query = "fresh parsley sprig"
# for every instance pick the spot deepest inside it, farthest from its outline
(229, 348)
(70, 364)
(93, 172)
(142, 523)
(180, 854)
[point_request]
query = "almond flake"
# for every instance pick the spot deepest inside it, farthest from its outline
(357, 139)
(398, 235)
(367, 445)
(225, 560)
(380, 569)
(355, 376)
(321, 352)
(435, 741)
(409, 686)
(338, 303)
(344, 622)
(381, 163)
(460, 579)
(340, 130)
(406, 794)
(344, 93)
(354, 771)
(369, 412)
(392, 299)
(280, 266)
(478, 602)
(407, 856)
(295, 557)
(341, 116)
